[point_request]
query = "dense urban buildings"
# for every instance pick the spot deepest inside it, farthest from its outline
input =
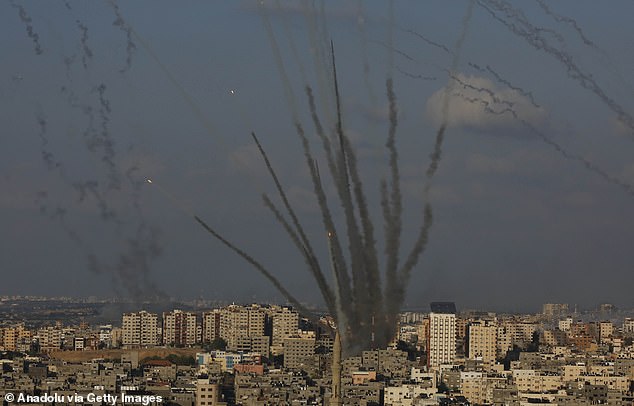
(270, 355)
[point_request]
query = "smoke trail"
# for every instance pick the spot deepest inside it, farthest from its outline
(370, 261)
(553, 144)
(413, 76)
(360, 294)
(419, 245)
(567, 20)
(395, 50)
(342, 280)
(390, 39)
(393, 207)
(339, 267)
(278, 285)
(288, 91)
(500, 79)
(340, 272)
(133, 265)
(428, 41)
(47, 156)
(104, 141)
(291, 42)
(489, 92)
(436, 155)
(319, 61)
(364, 51)
(87, 52)
(26, 19)
(522, 28)
(127, 29)
(304, 245)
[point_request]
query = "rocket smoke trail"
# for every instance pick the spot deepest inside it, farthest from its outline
(428, 41)
(563, 19)
(298, 235)
(364, 51)
(505, 82)
(26, 19)
(392, 206)
(87, 52)
(413, 76)
(440, 135)
(517, 23)
(127, 29)
(587, 164)
(278, 285)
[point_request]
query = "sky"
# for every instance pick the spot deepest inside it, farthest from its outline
(532, 197)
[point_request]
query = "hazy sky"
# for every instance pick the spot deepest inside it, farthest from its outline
(533, 198)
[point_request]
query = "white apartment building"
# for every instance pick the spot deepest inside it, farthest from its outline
(441, 340)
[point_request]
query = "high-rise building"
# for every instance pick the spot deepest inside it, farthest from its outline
(140, 329)
(238, 322)
(211, 326)
(179, 328)
(441, 339)
(482, 342)
(285, 324)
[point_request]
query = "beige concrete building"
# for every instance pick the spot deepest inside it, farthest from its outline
(237, 322)
(180, 328)
(207, 393)
(285, 324)
(299, 353)
(140, 329)
(210, 325)
(482, 342)
(606, 330)
(49, 338)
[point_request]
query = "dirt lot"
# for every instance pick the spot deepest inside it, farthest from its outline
(80, 356)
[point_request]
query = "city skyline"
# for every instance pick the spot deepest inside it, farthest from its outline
(532, 195)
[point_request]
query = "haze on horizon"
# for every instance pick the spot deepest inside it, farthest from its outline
(532, 198)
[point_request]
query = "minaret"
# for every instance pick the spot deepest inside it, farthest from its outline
(335, 396)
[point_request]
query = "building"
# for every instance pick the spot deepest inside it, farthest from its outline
(207, 393)
(179, 328)
(299, 353)
(140, 329)
(210, 326)
(482, 342)
(285, 324)
(441, 339)
(552, 310)
(238, 322)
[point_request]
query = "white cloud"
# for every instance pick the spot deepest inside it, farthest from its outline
(477, 102)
